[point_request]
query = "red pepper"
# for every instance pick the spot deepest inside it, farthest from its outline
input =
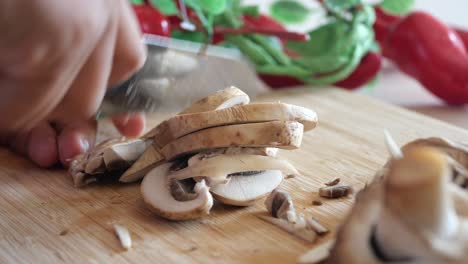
(367, 70)
(152, 21)
(463, 34)
(431, 52)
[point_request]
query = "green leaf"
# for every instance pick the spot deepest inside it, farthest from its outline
(290, 70)
(213, 7)
(167, 7)
(137, 2)
(322, 64)
(289, 11)
(250, 11)
(341, 5)
(397, 6)
(271, 48)
(331, 38)
(195, 36)
(256, 53)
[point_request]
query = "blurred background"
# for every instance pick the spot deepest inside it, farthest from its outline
(348, 46)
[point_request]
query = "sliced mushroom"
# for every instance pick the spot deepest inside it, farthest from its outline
(225, 98)
(279, 134)
(181, 125)
(109, 155)
(243, 190)
(408, 216)
(160, 192)
(218, 168)
(232, 151)
(150, 159)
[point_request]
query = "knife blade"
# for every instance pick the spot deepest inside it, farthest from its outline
(175, 73)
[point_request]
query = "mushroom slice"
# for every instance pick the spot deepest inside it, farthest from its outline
(232, 151)
(225, 98)
(408, 216)
(110, 155)
(150, 159)
(279, 134)
(160, 193)
(181, 125)
(244, 190)
(218, 168)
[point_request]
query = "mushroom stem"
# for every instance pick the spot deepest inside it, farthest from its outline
(416, 201)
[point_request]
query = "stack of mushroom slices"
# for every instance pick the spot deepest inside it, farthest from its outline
(221, 147)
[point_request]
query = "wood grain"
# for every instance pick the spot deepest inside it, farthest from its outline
(44, 219)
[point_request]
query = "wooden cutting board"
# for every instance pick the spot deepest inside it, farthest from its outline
(44, 219)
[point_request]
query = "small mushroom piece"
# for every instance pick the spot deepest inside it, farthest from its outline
(218, 168)
(317, 254)
(298, 229)
(279, 134)
(124, 236)
(181, 125)
(280, 205)
(335, 191)
(244, 190)
(160, 193)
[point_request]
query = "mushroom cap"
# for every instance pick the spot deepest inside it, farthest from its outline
(156, 191)
(244, 190)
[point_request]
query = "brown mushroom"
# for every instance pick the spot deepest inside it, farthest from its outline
(407, 216)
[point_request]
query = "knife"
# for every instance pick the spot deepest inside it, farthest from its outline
(177, 72)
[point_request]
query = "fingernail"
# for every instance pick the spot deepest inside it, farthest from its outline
(84, 144)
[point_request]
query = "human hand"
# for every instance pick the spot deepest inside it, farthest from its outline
(57, 59)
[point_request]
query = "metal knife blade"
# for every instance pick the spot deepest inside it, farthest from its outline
(177, 72)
